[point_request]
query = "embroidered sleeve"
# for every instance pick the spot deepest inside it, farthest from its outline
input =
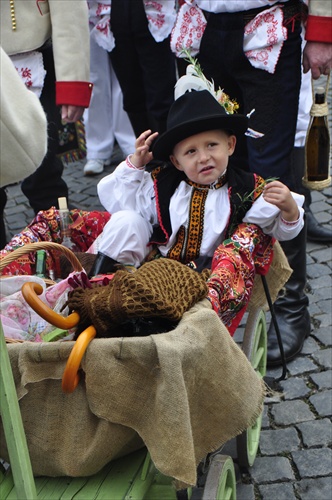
(131, 165)
(290, 223)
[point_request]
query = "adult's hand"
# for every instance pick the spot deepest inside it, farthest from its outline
(71, 114)
(317, 56)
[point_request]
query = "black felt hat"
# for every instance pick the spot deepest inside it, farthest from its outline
(194, 112)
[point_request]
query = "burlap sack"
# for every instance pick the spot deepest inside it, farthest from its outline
(183, 394)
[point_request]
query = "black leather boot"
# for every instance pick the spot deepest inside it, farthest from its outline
(292, 308)
(315, 231)
(103, 265)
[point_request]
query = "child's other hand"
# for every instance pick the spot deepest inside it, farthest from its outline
(278, 194)
(142, 154)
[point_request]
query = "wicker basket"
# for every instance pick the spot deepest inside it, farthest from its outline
(33, 247)
(41, 245)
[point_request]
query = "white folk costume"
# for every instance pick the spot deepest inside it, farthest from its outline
(23, 126)
(105, 120)
(132, 189)
(160, 15)
(48, 42)
(226, 226)
(141, 32)
(27, 26)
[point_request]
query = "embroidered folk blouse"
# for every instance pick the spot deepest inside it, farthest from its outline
(129, 188)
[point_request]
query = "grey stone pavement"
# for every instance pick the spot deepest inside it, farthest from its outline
(294, 460)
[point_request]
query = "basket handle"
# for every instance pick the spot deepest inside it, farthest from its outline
(30, 292)
(70, 376)
(41, 245)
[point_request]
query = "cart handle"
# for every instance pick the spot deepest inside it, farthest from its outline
(70, 376)
(30, 291)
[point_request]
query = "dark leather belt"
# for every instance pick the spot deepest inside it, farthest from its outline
(290, 9)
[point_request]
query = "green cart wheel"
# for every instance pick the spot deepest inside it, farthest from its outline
(220, 482)
(255, 348)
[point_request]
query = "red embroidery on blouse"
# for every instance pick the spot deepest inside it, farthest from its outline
(37, 2)
(159, 214)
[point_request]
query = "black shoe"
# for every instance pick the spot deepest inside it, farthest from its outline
(103, 265)
(315, 231)
(294, 326)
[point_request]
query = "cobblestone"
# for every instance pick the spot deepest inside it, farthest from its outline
(281, 491)
(271, 469)
(315, 489)
(294, 388)
(322, 380)
(301, 365)
(291, 412)
(313, 462)
(322, 402)
(323, 357)
(316, 433)
(278, 441)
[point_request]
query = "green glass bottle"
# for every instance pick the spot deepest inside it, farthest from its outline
(41, 263)
(64, 224)
(318, 144)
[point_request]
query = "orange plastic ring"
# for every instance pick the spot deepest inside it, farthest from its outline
(30, 291)
(70, 376)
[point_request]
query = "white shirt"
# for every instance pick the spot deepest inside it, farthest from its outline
(216, 6)
(132, 189)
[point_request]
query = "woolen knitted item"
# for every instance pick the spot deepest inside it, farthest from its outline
(162, 288)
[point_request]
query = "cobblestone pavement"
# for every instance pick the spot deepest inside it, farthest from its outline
(295, 456)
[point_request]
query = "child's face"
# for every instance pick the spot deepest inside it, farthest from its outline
(204, 157)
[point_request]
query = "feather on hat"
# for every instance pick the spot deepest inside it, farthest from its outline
(197, 108)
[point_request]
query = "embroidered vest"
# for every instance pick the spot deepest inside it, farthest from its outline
(243, 188)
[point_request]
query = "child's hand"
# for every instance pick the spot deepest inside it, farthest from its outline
(142, 155)
(278, 194)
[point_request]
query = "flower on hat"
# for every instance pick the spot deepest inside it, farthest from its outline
(194, 79)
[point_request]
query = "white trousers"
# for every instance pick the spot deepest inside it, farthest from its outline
(125, 238)
(105, 120)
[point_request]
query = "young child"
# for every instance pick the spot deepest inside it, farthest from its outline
(196, 208)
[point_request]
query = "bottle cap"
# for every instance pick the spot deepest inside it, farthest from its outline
(62, 203)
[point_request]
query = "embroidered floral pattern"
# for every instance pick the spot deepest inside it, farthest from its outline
(264, 37)
(188, 30)
(234, 266)
(157, 18)
(30, 67)
(85, 228)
